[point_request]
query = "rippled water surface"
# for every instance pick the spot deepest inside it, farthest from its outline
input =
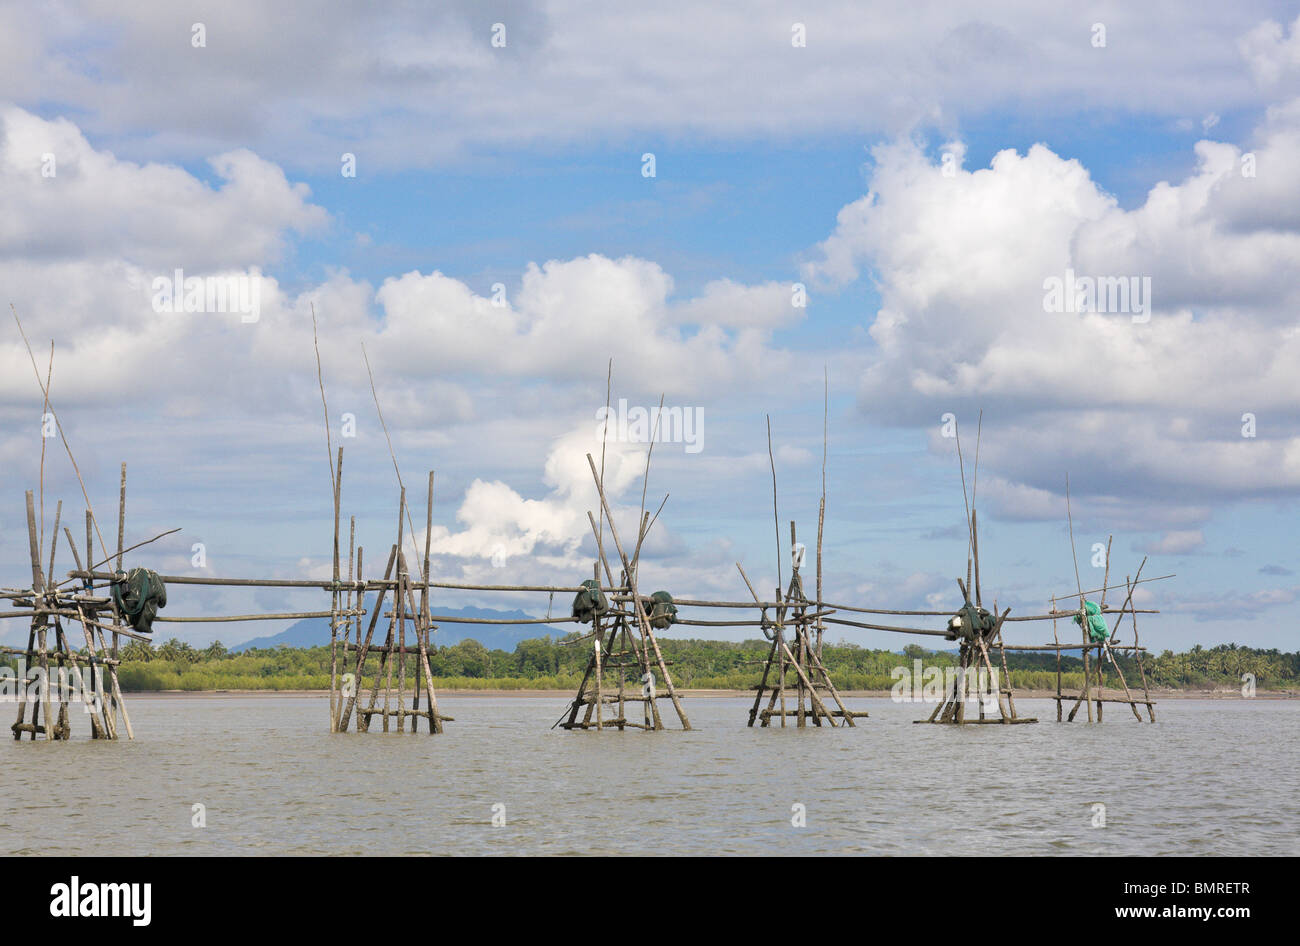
(1212, 777)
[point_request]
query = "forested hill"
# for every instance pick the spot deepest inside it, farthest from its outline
(313, 632)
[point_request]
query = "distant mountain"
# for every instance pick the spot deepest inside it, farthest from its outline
(315, 632)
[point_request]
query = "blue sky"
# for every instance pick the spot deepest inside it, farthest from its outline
(525, 170)
(745, 211)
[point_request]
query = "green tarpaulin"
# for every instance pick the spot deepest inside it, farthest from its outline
(968, 622)
(139, 594)
(1097, 630)
(590, 602)
(663, 613)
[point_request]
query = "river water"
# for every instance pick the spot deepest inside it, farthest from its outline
(1212, 777)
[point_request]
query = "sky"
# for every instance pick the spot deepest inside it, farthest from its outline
(813, 213)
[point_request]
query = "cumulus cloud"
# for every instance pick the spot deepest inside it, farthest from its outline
(568, 310)
(80, 253)
(65, 200)
(1150, 405)
(501, 524)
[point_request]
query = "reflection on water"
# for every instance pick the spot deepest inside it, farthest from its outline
(1212, 777)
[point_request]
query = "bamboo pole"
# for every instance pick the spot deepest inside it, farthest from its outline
(363, 649)
(1085, 695)
(98, 729)
(110, 718)
(435, 720)
(428, 533)
(643, 625)
(1058, 663)
(965, 498)
(821, 508)
(645, 482)
(378, 410)
(401, 641)
(1111, 655)
(399, 634)
(360, 609)
(323, 585)
(38, 580)
(121, 517)
(55, 414)
(65, 656)
(1093, 591)
(578, 701)
(1105, 579)
(41, 481)
(22, 689)
(644, 622)
(39, 621)
(845, 712)
(54, 537)
(121, 538)
(336, 478)
(423, 675)
(117, 693)
(767, 668)
(600, 695)
(776, 518)
(1151, 710)
(87, 584)
(236, 618)
(780, 639)
(1083, 610)
(347, 627)
(800, 722)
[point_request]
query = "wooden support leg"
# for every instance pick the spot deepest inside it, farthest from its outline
(363, 649)
(762, 684)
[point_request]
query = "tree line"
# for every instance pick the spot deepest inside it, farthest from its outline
(558, 663)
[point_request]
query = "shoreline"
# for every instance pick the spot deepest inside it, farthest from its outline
(1156, 694)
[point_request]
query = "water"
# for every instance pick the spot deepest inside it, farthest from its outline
(1212, 777)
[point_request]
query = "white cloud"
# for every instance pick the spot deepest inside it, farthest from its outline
(1270, 52)
(569, 316)
(65, 200)
(1177, 543)
(735, 305)
(1150, 410)
(498, 520)
(79, 253)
